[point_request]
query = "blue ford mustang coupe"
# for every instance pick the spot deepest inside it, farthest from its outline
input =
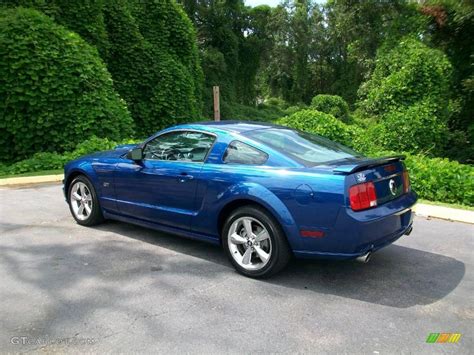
(264, 192)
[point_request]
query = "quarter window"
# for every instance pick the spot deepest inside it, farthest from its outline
(242, 153)
(179, 145)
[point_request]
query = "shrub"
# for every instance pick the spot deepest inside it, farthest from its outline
(54, 89)
(438, 179)
(292, 109)
(320, 123)
(415, 129)
(38, 162)
(408, 74)
(276, 101)
(332, 104)
(150, 50)
(82, 17)
(155, 62)
(53, 160)
(263, 112)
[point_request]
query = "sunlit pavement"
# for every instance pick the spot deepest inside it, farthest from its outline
(121, 288)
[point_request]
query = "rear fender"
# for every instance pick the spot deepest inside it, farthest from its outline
(264, 197)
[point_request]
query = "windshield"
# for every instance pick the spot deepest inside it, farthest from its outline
(307, 149)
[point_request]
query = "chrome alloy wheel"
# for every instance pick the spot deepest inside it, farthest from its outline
(81, 201)
(249, 243)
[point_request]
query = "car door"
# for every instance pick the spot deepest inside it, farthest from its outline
(162, 187)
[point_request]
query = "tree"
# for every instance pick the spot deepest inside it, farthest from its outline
(451, 29)
(83, 17)
(154, 61)
(355, 31)
(149, 48)
(409, 94)
(55, 91)
(408, 74)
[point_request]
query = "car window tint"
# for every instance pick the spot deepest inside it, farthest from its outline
(308, 149)
(241, 153)
(180, 145)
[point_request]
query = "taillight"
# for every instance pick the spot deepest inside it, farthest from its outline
(362, 196)
(406, 182)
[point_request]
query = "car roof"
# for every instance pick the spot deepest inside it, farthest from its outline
(228, 125)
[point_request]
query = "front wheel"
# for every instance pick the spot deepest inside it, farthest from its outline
(83, 202)
(255, 243)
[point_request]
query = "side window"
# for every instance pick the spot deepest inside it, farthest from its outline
(241, 153)
(179, 145)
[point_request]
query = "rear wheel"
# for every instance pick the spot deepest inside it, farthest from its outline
(255, 243)
(83, 202)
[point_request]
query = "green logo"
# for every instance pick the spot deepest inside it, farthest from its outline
(443, 337)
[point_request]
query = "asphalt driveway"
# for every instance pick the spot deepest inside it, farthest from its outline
(122, 288)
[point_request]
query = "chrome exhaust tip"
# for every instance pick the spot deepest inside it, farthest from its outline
(364, 258)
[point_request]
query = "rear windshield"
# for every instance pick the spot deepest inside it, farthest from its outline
(306, 148)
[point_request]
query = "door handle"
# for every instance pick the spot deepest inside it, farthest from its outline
(183, 177)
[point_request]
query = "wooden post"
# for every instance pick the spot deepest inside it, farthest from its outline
(217, 109)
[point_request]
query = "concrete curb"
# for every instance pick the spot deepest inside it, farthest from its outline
(450, 214)
(27, 180)
(421, 209)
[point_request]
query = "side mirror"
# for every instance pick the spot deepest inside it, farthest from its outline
(135, 154)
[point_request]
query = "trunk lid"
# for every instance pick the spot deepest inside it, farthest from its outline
(386, 174)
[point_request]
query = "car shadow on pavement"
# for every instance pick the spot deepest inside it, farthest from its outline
(59, 276)
(396, 276)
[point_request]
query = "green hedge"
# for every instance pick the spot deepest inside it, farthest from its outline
(54, 89)
(332, 104)
(53, 161)
(438, 179)
(408, 74)
(154, 61)
(262, 113)
(321, 123)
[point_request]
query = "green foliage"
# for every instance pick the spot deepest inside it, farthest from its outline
(154, 62)
(261, 113)
(320, 123)
(406, 75)
(53, 161)
(82, 17)
(149, 48)
(54, 89)
(355, 30)
(276, 101)
(439, 179)
(222, 43)
(38, 162)
(415, 129)
(409, 94)
(293, 109)
(332, 104)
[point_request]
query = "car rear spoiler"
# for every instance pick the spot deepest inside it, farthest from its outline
(366, 164)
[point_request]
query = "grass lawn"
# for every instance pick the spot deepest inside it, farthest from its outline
(36, 173)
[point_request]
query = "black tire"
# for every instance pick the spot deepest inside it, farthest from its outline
(95, 217)
(281, 252)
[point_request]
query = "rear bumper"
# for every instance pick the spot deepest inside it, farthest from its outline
(306, 254)
(356, 233)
